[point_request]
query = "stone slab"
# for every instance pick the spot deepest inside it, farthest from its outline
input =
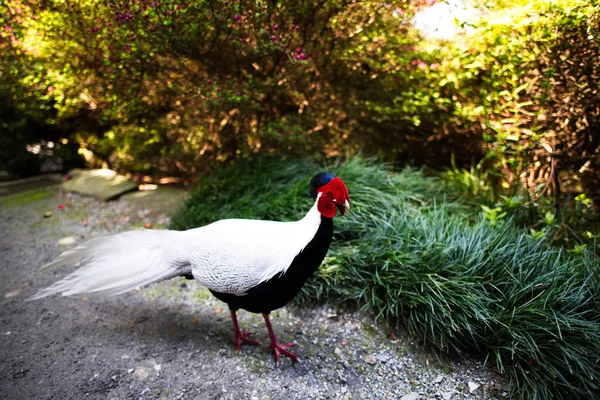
(159, 199)
(103, 184)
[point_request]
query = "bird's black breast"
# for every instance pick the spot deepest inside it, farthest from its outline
(279, 290)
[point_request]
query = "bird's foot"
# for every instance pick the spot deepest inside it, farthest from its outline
(278, 348)
(241, 336)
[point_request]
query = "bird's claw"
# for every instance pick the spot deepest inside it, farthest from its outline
(278, 349)
(243, 337)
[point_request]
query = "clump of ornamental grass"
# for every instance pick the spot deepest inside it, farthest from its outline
(413, 257)
(532, 310)
(277, 189)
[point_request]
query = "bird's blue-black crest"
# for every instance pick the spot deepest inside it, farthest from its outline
(320, 179)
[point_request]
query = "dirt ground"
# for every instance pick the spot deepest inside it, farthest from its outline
(173, 340)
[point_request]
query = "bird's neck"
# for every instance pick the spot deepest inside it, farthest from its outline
(313, 216)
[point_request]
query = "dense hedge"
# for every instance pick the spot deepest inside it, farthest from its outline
(176, 87)
(527, 80)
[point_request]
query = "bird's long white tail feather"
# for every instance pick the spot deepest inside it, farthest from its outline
(120, 263)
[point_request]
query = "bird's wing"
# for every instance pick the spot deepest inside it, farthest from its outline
(233, 256)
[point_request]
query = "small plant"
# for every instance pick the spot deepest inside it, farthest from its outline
(494, 215)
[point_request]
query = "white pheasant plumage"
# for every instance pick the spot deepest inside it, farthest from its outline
(251, 264)
(227, 256)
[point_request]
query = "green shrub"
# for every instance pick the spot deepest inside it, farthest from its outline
(171, 87)
(526, 82)
(455, 281)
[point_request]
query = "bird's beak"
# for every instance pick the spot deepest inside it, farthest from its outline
(342, 208)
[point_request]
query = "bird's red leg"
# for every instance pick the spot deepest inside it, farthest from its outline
(239, 335)
(277, 347)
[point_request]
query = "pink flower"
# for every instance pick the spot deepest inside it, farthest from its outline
(275, 28)
(298, 49)
(61, 206)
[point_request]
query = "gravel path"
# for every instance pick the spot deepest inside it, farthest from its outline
(173, 340)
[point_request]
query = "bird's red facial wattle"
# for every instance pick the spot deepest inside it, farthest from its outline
(333, 196)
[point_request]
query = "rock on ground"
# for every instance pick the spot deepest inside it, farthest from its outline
(104, 184)
(173, 340)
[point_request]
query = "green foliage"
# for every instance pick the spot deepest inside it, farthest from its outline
(169, 87)
(526, 80)
(274, 188)
(459, 283)
(566, 222)
(173, 87)
(474, 182)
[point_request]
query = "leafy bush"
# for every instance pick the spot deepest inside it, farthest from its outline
(453, 280)
(526, 82)
(172, 87)
(569, 221)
